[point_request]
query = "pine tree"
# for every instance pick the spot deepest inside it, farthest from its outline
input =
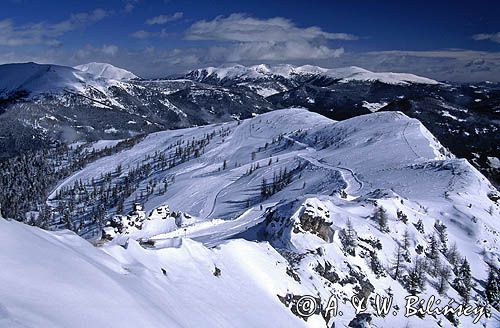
(375, 265)
(420, 226)
(442, 234)
(432, 248)
(443, 275)
(406, 246)
(463, 281)
(380, 216)
(492, 289)
(397, 263)
(343, 194)
(119, 206)
(264, 188)
(453, 256)
(349, 239)
(416, 277)
(403, 217)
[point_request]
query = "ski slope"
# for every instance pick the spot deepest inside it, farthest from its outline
(239, 251)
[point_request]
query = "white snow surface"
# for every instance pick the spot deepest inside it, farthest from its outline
(344, 74)
(52, 278)
(39, 79)
(373, 107)
(57, 279)
(106, 71)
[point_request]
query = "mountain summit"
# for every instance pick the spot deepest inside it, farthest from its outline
(106, 71)
(344, 74)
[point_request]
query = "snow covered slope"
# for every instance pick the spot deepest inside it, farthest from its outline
(262, 71)
(295, 179)
(41, 105)
(54, 279)
(106, 71)
(294, 137)
(283, 205)
(36, 79)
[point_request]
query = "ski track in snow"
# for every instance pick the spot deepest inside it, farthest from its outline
(339, 169)
(403, 134)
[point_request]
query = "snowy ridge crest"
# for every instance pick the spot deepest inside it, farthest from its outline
(346, 74)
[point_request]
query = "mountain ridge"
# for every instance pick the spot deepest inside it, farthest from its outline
(107, 71)
(270, 209)
(344, 74)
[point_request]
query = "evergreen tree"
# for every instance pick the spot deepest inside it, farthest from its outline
(403, 217)
(492, 289)
(420, 226)
(463, 281)
(406, 246)
(416, 277)
(397, 263)
(453, 257)
(380, 216)
(263, 188)
(119, 206)
(442, 234)
(444, 275)
(375, 265)
(432, 248)
(349, 239)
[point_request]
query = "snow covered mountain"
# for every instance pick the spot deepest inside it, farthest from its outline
(106, 71)
(464, 117)
(344, 74)
(265, 74)
(36, 79)
(43, 105)
(260, 213)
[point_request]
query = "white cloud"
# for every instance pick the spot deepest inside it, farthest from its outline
(271, 51)
(110, 49)
(494, 37)
(44, 33)
(239, 27)
(163, 19)
(143, 34)
(247, 38)
(443, 64)
(129, 5)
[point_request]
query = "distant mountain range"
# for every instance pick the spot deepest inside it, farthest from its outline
(212, 199)
(44, 104)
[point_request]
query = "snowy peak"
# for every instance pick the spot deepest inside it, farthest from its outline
(344, 74)
(38, 78)
(107, 71)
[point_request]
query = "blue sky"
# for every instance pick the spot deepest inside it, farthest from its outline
(456, 40)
